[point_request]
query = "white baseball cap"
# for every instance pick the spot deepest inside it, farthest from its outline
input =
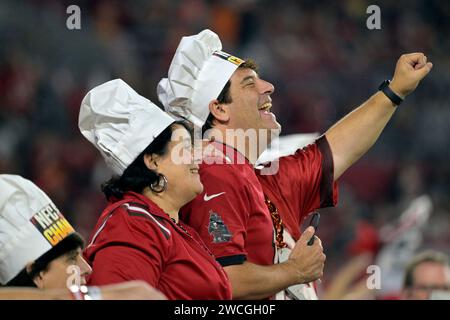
(197, 74)
(120, 123)
(30, 225)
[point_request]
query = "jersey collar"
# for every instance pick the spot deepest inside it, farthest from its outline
(230, 154)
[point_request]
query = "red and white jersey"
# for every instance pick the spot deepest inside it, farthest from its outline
(231, 215)
(135, 240)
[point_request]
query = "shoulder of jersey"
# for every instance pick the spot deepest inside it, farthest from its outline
(135, 209)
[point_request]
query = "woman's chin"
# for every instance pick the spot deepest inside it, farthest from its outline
(199, 189)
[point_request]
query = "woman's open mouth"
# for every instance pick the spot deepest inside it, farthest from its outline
(194, 170)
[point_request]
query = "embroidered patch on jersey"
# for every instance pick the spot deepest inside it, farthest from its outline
(218, 229)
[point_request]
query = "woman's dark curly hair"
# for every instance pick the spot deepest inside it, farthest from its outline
(137, 176)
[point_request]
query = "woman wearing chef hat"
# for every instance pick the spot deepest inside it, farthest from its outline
(138, 235)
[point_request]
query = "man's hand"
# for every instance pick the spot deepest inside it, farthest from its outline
(307, 262)
(354, 134)
(410, 70)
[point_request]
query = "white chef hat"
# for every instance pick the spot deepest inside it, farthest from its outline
(30, 225)
(120, 123)
(197, 75)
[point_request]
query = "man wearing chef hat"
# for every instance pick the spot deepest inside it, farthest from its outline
(224, 94)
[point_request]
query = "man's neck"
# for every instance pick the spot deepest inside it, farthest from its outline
(246, 143)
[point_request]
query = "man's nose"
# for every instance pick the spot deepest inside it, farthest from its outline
(85, 267)
(266, 87)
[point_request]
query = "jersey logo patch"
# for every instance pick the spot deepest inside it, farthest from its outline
(207, 198)
(218, 229)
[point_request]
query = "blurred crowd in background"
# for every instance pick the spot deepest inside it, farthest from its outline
(320, 56)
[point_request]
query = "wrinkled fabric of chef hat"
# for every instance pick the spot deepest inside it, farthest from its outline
(120, 123)
(197, 74)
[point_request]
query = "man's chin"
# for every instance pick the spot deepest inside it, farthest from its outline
(275, 129)
(273, 132)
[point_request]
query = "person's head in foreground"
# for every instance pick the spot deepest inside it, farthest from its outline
(38, 246)
(427, 277)
(150, 152)
(213, 89)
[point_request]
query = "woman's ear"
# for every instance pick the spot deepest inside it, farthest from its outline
(38, 279)
(220, 111)
(151, 161)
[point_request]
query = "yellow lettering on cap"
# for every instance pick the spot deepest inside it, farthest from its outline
(48, 234)
(58, 231)
(64, 227)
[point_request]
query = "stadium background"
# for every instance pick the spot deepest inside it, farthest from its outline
(319, 55)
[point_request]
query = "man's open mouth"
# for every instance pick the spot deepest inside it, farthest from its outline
(265, 107)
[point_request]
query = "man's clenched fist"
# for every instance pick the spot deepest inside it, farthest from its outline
(410, 69)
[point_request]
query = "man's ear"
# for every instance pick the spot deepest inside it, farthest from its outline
(28, 267)
(220, 111)
(151, 161)
(38, 279)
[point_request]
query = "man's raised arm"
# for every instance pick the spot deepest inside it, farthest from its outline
(354, 134)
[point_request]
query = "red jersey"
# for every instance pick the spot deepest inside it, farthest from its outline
(231, 215)
(304, 182)
(134, 239)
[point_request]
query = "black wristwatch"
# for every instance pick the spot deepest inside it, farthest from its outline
(384, 87)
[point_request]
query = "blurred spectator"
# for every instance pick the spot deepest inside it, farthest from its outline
(427, 276)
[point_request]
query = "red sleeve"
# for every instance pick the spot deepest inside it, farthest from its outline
(130, 247)
(303, 183)
(114, 264)
(221, 220)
